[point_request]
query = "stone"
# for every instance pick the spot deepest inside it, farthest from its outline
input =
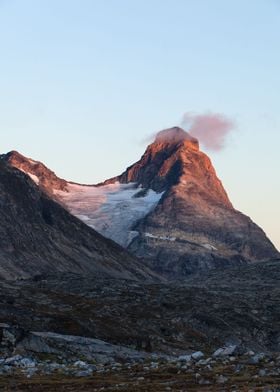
(185, 358)
(257, 358)
(197, 355)
(229, 350)
(225, 351)
(27, 363)
(218, 352)
(13, 360)
(81, 364)
(69, 346)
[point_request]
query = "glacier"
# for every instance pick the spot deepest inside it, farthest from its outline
(111, 209)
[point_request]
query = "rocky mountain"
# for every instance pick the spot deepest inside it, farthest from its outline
(194, 225)
(169, 208)
(40, 174)
(38, 236)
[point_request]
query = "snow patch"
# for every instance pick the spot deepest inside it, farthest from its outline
(32, 162)
(164, 238)
(111, 209)
(33, 177)
(209, 247)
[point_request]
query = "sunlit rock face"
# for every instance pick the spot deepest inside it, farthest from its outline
(176, 135)
(168, 208)
(161, 165)
(194, 226)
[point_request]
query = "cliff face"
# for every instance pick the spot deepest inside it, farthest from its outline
(174, 159)
(194, 226)
(38, 236)
(169, 208)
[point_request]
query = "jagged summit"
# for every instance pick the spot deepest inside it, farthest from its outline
(174, 158)
(176, 135)
(14, 155)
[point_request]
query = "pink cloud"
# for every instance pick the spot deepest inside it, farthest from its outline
(210, 129)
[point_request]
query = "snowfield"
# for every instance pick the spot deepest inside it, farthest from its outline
(111, 209)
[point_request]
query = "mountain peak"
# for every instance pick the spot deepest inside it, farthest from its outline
(14, 156)
(13, 153)
(36, 170)
(176, 135)
(164, 161)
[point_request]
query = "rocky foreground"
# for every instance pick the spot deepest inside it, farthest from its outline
(224, 370)
(212, 332)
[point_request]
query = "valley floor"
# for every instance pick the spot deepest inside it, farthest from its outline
(148, 333)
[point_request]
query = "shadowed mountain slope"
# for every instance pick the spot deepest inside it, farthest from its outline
(38, 236)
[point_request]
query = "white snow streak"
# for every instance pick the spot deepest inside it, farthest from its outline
(33, 177)
(160, 237)
(209, 247)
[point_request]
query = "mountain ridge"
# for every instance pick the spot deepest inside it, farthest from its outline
(182, 220)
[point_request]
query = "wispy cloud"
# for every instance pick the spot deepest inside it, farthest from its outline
(211, 129)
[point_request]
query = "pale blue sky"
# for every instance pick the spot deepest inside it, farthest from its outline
(84, 83)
